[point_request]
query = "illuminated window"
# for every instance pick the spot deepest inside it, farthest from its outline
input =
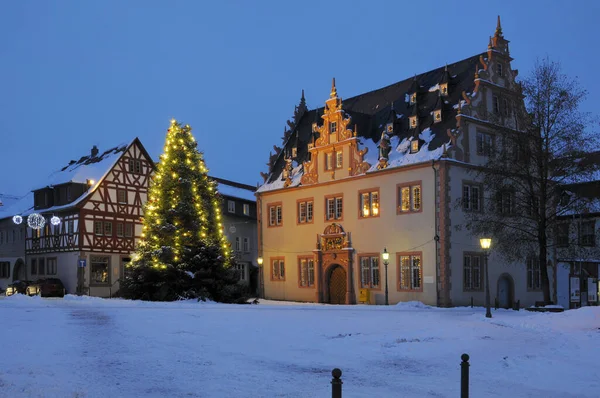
(437, 116)
(413, 98)
(99, 270)
(413, 122)
(444, 89)
(409, 198)
(414, 146)
(369, 204)
(339, 159)
(329, 161)
(369, 272)
(409, 277)
(246, 209)
(278, 269)
(306, 269)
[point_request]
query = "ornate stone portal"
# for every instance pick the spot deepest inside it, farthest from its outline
(334, 258)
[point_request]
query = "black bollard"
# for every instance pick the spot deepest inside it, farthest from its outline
(464, 376)
(336, 383)
(496, 303)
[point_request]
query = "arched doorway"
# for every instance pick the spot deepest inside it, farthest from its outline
(506, 289)
(336, 285)
(19, 272)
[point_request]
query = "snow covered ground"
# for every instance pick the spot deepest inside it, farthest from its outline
(89, 347)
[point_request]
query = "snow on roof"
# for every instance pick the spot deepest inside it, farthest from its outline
(86, 168)
(236, 192)
(279, 183)
(7, 200)
(398, 157)
(20, 206)
(583, 206)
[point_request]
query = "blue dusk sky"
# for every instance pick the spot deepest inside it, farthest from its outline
(82, 73)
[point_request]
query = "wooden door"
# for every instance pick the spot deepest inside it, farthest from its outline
(337, 286)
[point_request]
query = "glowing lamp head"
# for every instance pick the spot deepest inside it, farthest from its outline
(259, 261)
(385, 254)
(485, 243)
(91, 182)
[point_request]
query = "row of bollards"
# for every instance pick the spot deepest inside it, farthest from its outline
(336, 382)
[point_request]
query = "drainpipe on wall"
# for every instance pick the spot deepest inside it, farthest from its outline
(261, 285)
(436, 238)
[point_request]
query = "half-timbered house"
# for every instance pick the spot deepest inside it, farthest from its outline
(93, 209)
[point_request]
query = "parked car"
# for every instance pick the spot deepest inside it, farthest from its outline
(17, 287)
(47, 287)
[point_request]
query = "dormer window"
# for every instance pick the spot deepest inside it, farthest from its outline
(506, 107)
(499, 68)
(294, 152)
(444, 89)
(332, 127)
(389, 128)
(413, 122)
(495, 105)
(414, 146)
(413, 98)
(437, 116)
(314, 127)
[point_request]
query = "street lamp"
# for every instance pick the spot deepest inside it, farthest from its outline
(260, 260)
(386, 257)
(485, 245)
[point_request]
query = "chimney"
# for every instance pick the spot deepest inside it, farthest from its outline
(94, 151)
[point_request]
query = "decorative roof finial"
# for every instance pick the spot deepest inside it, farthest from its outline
(302, 94)
(333, 89)
(446, 68)
(498, 28)
(490, 44)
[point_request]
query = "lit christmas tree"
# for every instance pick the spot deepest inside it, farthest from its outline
(182, 252)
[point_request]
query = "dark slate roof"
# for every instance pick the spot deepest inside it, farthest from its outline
(372, 110)
(233, 189)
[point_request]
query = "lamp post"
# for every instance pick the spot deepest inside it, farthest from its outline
(386, 257)
(485, 245)
(259, 260)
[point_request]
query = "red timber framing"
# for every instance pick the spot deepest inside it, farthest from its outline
(117, 200)
(55, 238)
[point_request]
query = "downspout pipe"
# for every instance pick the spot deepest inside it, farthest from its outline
(436, 237)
